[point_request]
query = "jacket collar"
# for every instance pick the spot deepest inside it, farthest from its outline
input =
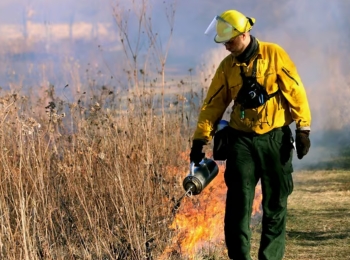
(258, 55)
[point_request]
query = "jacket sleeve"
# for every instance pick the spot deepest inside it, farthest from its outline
(217, 100)
(293, 90)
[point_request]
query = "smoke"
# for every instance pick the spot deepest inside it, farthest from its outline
(46, 43)
(315, 36)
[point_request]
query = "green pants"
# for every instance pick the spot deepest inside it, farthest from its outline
(267, 157)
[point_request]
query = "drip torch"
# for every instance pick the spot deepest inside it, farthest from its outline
(200, 176)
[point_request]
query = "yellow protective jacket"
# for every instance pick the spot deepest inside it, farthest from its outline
(275, 71)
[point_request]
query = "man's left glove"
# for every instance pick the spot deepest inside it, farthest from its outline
(197, 154)
(302, 142)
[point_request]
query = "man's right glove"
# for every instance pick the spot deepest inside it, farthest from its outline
(302, 142)
(197, 154)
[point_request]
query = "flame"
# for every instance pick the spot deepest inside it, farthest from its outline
(199, 221)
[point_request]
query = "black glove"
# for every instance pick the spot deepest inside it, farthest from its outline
(302, 142)
(196, 154)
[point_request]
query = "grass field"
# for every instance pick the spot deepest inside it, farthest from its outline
(318, 225)
(319, 216)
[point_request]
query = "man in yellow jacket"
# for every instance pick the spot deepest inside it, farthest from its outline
(268, 96)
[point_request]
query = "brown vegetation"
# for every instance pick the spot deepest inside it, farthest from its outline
(82, 181)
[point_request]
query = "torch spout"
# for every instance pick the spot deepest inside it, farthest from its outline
(190, 188)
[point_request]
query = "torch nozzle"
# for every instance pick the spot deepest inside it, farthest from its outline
(190, 187)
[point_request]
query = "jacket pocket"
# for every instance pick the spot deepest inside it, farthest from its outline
(284, 140)
(215, 94)
(289, 75)
(268, 80)
(234, 91)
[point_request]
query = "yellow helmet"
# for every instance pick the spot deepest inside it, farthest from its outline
(229, 24)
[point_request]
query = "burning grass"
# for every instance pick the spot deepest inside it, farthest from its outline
(199, 222)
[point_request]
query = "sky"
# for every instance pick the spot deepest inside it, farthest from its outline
(78, 43)
(296, 25)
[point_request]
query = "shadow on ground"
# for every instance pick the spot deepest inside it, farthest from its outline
(318, 236)
(320, 230)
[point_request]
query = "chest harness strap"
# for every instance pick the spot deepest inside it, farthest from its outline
(252, 94)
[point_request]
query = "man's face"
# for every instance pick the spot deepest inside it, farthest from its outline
(236, 45)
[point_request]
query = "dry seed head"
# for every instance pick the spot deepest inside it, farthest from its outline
(73, 105)
(101, 156)
(31, 122)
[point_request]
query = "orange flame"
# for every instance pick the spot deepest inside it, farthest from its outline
(199, 220)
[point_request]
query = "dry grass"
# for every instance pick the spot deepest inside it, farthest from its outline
(319, 216)
(83, 181)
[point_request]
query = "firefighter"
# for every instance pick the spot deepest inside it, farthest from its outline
(268, 96)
